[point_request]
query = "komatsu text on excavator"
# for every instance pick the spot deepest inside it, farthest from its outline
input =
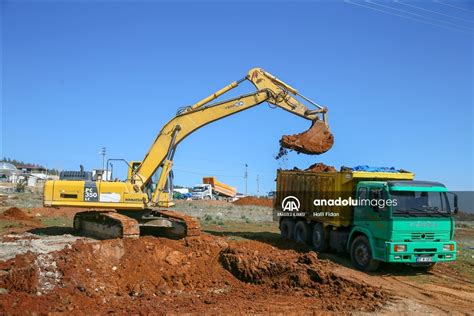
(122, 208)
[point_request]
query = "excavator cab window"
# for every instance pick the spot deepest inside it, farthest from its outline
(133, 166)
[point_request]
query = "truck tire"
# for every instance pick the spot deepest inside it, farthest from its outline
(361, 255)
(319, 238)
(287, 227)
(302, 233)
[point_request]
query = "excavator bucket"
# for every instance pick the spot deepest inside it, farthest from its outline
(315, 141)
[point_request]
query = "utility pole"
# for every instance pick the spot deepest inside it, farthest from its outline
(258, 186)
(103, 151)
(246, 176)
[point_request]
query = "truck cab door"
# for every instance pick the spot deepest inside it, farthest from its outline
(372, 214)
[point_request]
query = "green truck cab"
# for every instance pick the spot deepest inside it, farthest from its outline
(374, 216)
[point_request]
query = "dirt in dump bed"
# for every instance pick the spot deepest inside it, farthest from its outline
(317, 140)
(250, 200)
(320, 167)
(194, 275)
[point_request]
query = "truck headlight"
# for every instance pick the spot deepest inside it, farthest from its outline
(400, 248)
(448, 247)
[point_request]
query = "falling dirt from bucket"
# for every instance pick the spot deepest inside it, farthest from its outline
(315, 141)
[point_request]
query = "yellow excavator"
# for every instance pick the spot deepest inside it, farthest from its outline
(122, 208)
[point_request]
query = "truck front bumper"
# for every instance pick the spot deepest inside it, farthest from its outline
(420, 252)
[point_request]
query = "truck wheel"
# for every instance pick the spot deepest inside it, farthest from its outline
(287, 227)
(302, 233)
(361, 255)
(319, 238)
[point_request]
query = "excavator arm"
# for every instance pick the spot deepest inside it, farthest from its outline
(268, 89)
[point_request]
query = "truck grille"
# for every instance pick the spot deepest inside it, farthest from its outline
(423, 236)
(425, 249)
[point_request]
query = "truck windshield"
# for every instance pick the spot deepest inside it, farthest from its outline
(199, 189)
(411, 203)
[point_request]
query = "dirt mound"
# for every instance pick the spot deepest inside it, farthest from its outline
(290, 272)
(199, 274)
(18, 221)
(316, 140)
(320, 167)
(15, 213)
(280, 273)
(250, 200)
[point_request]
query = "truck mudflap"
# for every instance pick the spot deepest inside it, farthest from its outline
(420, 252)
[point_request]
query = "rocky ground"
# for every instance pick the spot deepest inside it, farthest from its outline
(239, 265)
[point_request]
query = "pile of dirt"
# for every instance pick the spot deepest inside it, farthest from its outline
(18, 221)
(14, 213)
(320, 167)
(316, 140)
(193, 275)
(292, 272)
(316, 167)
(250, 200)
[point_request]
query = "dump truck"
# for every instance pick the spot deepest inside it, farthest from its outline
(374, 216)
(211, 189)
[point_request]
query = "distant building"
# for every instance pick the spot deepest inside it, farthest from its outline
(31, 169)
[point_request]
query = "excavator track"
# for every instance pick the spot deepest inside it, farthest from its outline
(106, 225)
(192, 227)
(111, 224)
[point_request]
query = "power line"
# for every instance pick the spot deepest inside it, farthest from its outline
(402, 16)
(419, 15)
(435, 12)
(453, 6)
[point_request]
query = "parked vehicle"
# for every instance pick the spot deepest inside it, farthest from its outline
(211, 189)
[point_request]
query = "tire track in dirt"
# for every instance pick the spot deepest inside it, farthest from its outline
(434, 296)
(411, 296)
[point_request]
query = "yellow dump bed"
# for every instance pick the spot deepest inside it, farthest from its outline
(220, 187)
(307, 186)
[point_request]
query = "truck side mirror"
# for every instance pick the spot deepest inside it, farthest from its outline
(456, 208)
(455, 199)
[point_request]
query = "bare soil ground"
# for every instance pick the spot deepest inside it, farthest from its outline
(239, 265)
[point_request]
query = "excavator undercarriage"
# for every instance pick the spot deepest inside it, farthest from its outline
(129, 224)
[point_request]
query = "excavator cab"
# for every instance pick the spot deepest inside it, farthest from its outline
(132, 167)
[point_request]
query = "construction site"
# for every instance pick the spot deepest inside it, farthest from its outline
(86, 244)
(167, 225)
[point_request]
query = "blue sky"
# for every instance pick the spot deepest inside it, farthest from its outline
(77, 76)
